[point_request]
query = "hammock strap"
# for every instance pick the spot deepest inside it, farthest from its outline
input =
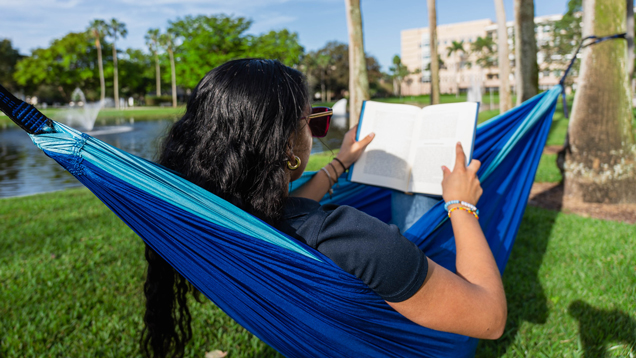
(582, 44)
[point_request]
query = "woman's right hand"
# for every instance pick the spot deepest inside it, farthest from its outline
(462, 183)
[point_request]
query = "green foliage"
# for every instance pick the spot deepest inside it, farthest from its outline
(567, 37)
(399, 74)
(484, 47)
(68, 63)
(329, 67)
(279, 45)
(116, 29)
(8, 59)
(98, 29)
(455, 48)
(136, 73)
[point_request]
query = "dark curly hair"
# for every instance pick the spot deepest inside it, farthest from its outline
(234, 141)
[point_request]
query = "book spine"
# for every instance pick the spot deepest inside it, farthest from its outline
(357, 136)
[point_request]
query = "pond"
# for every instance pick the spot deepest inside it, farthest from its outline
(25, 170)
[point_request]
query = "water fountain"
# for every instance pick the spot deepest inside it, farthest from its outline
(474, 92)
(82, 115)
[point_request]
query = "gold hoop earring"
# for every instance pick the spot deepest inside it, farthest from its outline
(293, 167)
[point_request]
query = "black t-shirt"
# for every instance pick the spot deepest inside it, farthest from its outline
(375, 252)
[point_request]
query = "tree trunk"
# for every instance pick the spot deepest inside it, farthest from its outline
(100, 65)
(116, 76)
(527, 70)
(630, 39)
(358, 80)
(174, 79)
(158, 74)
(505, 102)
(457, 74)
(601, 158)
(432, 30)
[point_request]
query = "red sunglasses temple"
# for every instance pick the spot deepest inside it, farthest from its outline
(319, 121)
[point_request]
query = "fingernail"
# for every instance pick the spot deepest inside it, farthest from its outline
(372, 135)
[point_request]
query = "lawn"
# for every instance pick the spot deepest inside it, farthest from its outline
(71, 285)
(110, 114)
(71, 277)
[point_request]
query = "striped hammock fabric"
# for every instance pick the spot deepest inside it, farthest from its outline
(289, 295)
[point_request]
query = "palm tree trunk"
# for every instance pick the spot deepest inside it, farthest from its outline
(527, 70)
(158, 74)
(358, 79)
(116, 76)
(457, 74)
(100, 65)
(432, 30)
(630, 39)
(505, 102)
(600, 160)
(174, 79)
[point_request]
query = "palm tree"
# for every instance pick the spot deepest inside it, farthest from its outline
(527, 69)
(358, 79)
(601, 150)
(167, 41)
(399, 73)
(456, 48)
(505, 102)
(152, 41)
(115, 29)
(432, 28)
(98, 29)
(484, 48)
(323, 62)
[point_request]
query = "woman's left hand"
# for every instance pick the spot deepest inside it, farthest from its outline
(351, 150)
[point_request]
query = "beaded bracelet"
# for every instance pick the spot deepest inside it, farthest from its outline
(468, 205)
(464, 209)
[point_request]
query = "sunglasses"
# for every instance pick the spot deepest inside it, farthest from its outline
(319, 120)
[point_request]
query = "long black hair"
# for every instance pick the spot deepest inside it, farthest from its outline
(234, 141)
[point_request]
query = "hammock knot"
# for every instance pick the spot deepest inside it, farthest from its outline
(76, 167)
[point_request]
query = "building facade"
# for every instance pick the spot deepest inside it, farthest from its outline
(460, 70)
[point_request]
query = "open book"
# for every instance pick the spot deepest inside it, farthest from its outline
(412, 144)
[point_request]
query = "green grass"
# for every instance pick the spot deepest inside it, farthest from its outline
(71, 285)
(109, 114)
(71, 277)
(571, 289)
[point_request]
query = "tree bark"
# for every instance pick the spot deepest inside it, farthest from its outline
(116, 76)
(630, 39)
(100, 65)
(432, 30)
(358, 79)
(174, 79)
(527, 70)
(601, 159)
(158, 74)
(505, 102)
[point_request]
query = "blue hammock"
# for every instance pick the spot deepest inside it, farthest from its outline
(288, 294)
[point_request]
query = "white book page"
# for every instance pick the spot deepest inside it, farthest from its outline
(385, 161)
(440, 127)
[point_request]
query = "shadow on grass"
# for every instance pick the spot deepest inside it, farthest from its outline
(598, 328)
(526, 297)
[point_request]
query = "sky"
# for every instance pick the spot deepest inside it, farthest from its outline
(34, 23)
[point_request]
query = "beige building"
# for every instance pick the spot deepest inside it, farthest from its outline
(460, 71)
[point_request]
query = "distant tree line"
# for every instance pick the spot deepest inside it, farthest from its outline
(175, 60)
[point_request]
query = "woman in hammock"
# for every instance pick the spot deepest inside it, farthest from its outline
(246, 134)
